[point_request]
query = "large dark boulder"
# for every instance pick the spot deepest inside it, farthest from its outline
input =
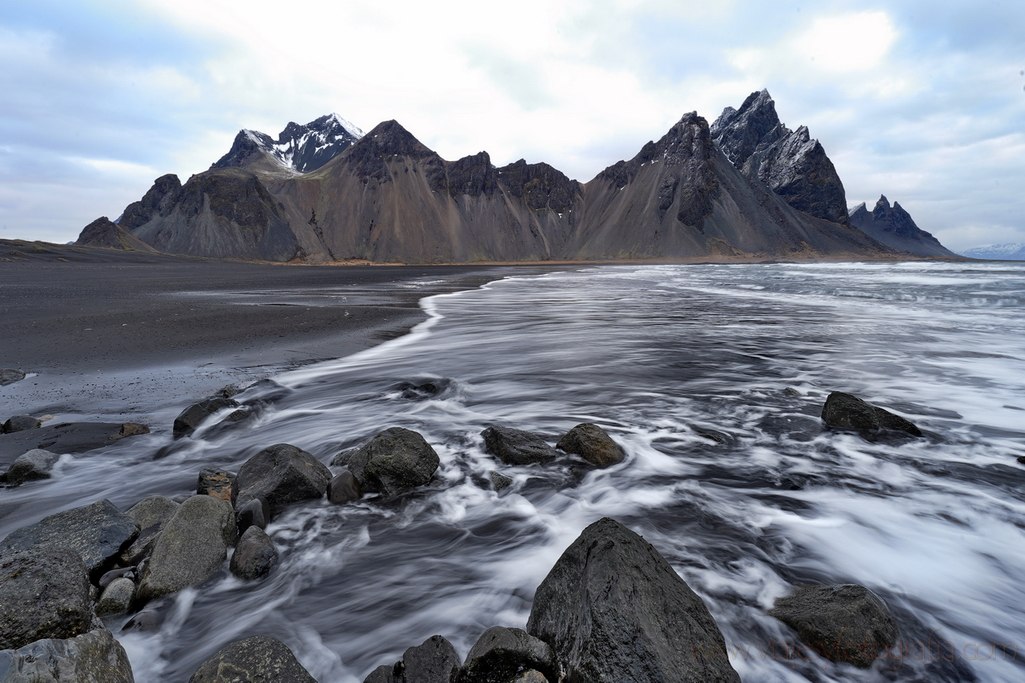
(97, 532)
(43, 594)
(433, 661)
(280, 475)
(36, 464)
(191, 547)
(93, 657)
(192, 417)
(20, 423)
(843, 623)
(67, 437)
(591, 443)
(394, 461)
(255, 555)
(614, 610)
(254, 659)
(845, 411)
(501, 653)
(517, 447)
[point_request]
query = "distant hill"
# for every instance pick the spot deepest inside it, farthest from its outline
(894, 227)
(1010, 251)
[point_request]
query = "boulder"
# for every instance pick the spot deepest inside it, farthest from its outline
(433, 661)
(394, 461)
(191, 547)
(36, 464)
(150, 513)
(343, 488)
(256, 658)
(116, 597)
(501, 653)
(499, 481)
(280, 475)
(845, 411)
(189, 419)
(254, 556)
(591, 443)
(20, 423)
(216, 483)
(66, 437)
(517, 447)
(43, 594)
(843, 623)
(93, 657)
(254, 513)
(10, 376)
(97, 532)
(614, 610)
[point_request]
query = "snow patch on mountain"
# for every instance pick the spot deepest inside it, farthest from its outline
(1008, 251)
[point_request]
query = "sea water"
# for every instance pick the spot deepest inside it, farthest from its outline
(712, 377)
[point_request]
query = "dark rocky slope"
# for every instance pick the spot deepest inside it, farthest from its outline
(104, 232)
(894, 227)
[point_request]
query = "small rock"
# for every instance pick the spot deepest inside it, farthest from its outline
(132, 429)
(191, 547)
(343, 488)
(216, 483)
(43, 594)
(253, 513)
(614, 610)
(791, 392)
(10, 376)
(20, 423)
(500, 481)
(97, 532)
(280, 475)
(433, 661)
(1021, 459)
(517, 447)
(591, 443)
(254, 556)
(109, 577)
(500, 653)
(394, 461)
(189, 419)
(256, 658)
(116, 597)
(420, 391)
(843, 623)
(93, 657)
(146, 621)
(36, 464)
(845, 411)
(721, 438)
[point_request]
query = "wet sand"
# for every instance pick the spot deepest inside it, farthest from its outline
(111, 338)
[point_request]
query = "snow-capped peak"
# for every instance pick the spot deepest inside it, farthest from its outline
(349, 126)
(302, 148)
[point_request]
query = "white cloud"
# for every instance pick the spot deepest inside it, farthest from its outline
(847, 43)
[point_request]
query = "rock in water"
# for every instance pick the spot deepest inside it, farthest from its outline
(254, 556)
(280, 475)
(19, 423)
(191, 548)
(96, 532)
(10, 376)
(193, 416)
(43, 594)
(500, 653)
(216, 483)
(254, 513)
(343, 488)
(36, 464)
(614, 610)
(845, 411)
(151, 514)
(93, 657)
(256, 659)
(843, 623)
(591, 443)
(394, 461)
(517, 447)
(433, 661)
(116, 597)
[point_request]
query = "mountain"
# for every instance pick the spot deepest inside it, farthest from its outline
(387, 197)
(1010, 251)
(301, 148)
(103, 232)
(894, 227)
(791, 163)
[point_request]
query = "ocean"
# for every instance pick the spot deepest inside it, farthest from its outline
(712, 377)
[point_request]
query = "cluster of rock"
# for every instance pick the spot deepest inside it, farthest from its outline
(611, 609)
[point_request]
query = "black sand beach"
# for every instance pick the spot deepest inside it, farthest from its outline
(120, 335)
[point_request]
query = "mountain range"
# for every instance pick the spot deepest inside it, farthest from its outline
(746, 186)
(1009, 251)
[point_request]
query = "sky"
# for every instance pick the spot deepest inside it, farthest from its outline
(923, 101)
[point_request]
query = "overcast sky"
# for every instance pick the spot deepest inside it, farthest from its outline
(921, 101)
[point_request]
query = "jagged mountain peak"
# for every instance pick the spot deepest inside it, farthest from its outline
(390, 138)
(893, 226)
(299, 147)
(882, 203)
